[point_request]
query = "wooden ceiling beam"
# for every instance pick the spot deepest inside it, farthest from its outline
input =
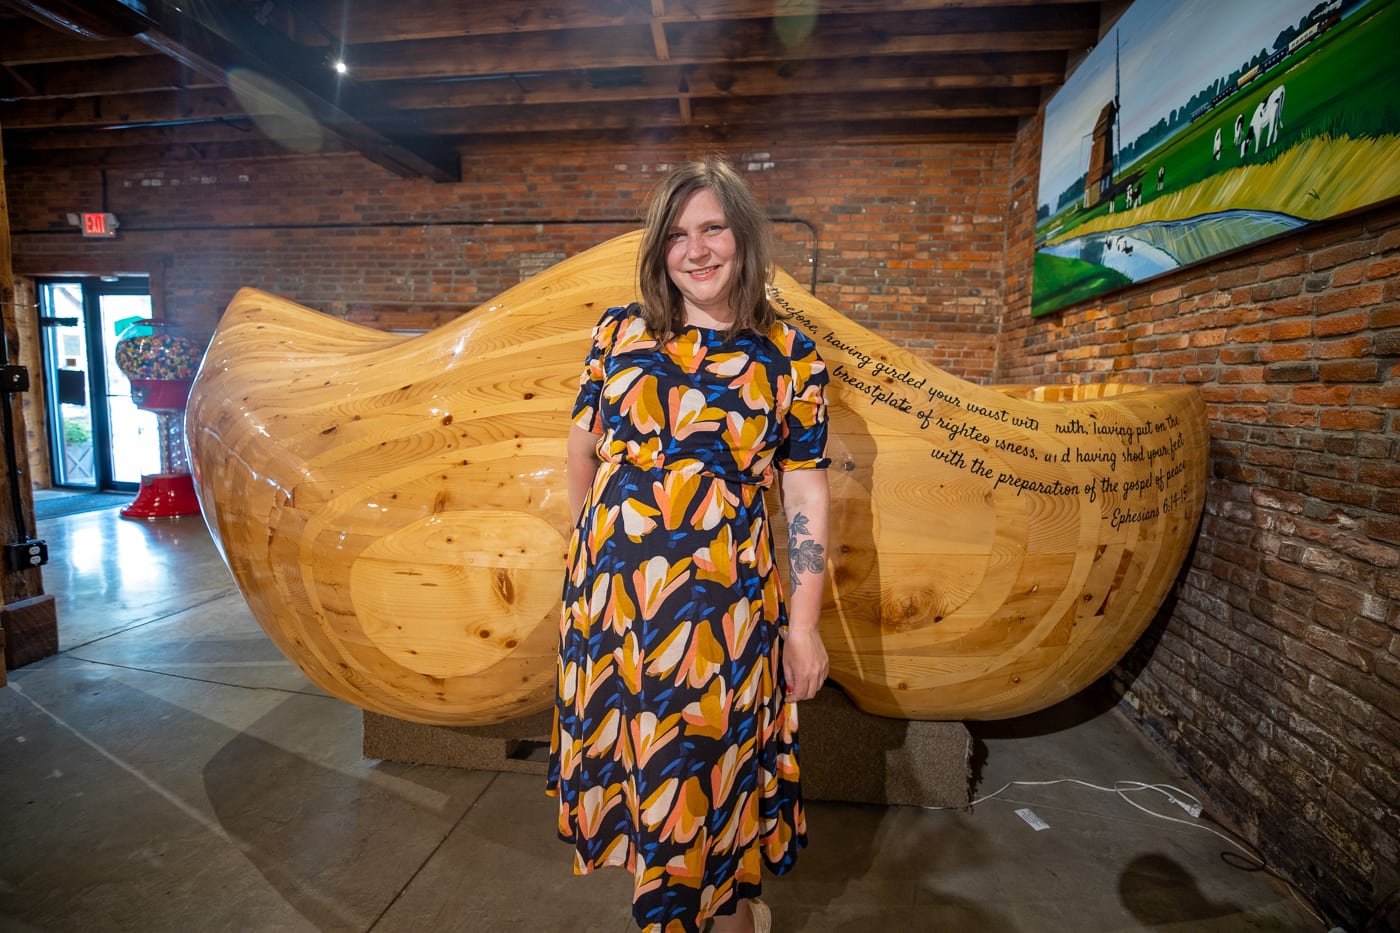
(532, 53)
(24, 42)
(759, 135)
(630, 47)
(556, 73)
(658, 30)
(14, 85)
(284, 70)
(361, 23)
(857, 108)
(626, 84)
(207, 132)
(982, 31)
(995, 102)
(121, 113)
(103, 77)
(559, 118)
(192, 151)
(125, 110)
(900, 73)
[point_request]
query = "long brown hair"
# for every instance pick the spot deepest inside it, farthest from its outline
(662, 307)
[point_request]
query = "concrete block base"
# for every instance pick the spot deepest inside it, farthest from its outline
(846, 755)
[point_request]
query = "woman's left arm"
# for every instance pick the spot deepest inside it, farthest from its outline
(805, 503)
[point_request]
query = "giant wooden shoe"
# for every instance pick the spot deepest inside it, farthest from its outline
(394, 508)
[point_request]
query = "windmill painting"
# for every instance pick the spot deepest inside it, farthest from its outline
(1198, 127)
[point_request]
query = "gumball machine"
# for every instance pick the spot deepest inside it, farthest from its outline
(160, 365)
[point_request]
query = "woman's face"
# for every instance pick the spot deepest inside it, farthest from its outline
(700, 256)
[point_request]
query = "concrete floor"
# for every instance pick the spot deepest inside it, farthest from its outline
(170, 771)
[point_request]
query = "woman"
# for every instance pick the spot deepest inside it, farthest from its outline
(674, 750)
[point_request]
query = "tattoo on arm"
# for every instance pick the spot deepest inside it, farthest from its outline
(804, 554)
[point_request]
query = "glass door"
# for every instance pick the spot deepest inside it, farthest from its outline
(70, 422)
(99, 439)
(134, 434)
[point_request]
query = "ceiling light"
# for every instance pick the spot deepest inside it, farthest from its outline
(340, 67)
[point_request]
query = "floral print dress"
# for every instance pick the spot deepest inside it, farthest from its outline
(674, 754)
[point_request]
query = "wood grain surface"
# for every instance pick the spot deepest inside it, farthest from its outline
(394, 508)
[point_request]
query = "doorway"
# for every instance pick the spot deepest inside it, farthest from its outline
(98, 439)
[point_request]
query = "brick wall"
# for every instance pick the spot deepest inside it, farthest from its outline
(1273, 674)
(906, 240)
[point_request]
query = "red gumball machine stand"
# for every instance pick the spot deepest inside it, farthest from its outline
(169, 493)
(160, 366)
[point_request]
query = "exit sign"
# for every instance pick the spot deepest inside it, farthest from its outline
(100, 225)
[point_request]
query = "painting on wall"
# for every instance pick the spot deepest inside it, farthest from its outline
(1197, 127)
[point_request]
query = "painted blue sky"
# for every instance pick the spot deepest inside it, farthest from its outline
(1169, 50)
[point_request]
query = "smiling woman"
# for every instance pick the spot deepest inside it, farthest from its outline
(707, 243)
(676, 689)
(700, 259)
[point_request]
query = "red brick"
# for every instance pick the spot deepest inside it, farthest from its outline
(1341, 299)
(1276, 352)
(1231, 355)
(1384, 267)
(1289, 265)
(1242, 374)
(1383, 528)
(1351, 419)
(1348, 371)
(1379, 473)
(1288, 307)
(1341, 324)
(1290, 330)
(1387, 396)
(1254, 333)
(1293, 417)
(1291, 372)
(1337, 491)
(1208, 338)
(1264, 393)
(1345, 252)
(1322, 395)
(1233, 278)
(1350, 274)
(1346, 348)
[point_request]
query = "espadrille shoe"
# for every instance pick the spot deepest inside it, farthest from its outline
(762, 916)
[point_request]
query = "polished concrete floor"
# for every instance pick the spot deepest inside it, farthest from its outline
(170, 771)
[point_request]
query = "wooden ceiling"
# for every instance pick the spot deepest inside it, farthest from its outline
(111, 82)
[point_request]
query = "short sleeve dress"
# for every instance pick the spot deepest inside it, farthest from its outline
(674, 754)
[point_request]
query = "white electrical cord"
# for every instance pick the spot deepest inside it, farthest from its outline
(1176, 795)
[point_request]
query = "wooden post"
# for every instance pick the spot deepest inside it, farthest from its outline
(28, 618)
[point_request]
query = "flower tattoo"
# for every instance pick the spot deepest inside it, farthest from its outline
(804, 554)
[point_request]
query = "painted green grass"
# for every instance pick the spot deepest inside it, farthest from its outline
(1336, 151)
(1316, 179)
(1060, 282)
(1348, 85)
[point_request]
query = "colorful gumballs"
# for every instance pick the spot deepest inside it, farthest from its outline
(147, 352)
